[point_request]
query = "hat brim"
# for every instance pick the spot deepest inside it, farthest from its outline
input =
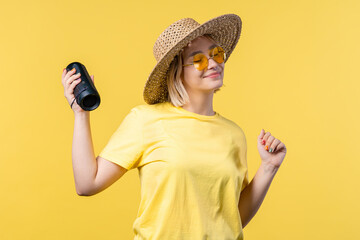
(225, 30)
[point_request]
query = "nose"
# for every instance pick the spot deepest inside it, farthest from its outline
(212, 63)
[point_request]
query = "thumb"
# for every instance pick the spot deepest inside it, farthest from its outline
(92, 78)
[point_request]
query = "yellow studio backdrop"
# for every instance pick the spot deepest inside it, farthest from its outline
(294, 72)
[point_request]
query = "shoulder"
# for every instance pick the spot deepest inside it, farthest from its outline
(147, 112)
(231, 124)
(148, 108)
(234, 128)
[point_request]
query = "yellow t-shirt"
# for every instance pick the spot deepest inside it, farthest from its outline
(192, 168)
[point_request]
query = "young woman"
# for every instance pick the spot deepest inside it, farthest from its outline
(192, 161)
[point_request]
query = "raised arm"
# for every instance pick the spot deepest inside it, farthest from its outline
(91, 175)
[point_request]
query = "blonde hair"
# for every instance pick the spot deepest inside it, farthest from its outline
(177, 92)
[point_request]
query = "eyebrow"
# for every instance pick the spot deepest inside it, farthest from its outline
(192, 54)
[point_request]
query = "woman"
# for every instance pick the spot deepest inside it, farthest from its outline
(191, 160)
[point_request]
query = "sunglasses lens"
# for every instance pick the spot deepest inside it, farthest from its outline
(218, 54)
(200, 61)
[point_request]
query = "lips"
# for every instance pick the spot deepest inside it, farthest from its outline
(213, 74)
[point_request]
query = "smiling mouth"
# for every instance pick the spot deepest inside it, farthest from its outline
(213, 75)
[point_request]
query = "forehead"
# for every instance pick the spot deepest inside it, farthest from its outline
(200, 43)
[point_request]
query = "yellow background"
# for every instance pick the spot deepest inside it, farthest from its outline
(294, 72)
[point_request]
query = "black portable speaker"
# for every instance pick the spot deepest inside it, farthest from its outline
(85, 92)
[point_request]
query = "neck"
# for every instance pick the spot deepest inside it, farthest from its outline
(200, 103)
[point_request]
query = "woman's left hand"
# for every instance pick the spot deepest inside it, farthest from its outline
(272, 151)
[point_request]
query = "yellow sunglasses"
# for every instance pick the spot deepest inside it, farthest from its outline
(200, 61)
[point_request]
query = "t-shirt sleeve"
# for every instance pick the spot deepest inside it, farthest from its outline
(246, 176)
(243, 159)
(125, 146)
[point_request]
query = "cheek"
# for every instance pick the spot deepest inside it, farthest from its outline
(222, 70)
(191, 75)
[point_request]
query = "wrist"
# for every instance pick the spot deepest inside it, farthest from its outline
(268, 168)
(82, 114)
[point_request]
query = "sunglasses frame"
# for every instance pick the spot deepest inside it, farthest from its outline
(211, 57)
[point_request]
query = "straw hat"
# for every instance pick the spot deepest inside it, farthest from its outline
(225, 30)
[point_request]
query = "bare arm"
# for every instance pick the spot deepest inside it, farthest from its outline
(92, 175)
(253, 195)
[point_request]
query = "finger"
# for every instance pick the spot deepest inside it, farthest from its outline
(280, 146)
(73, 85)
(75, 82)
(92, 78)
(63, 75)
(269, 140)
(274, 144)
(268, 143)
(266, 136)
(72, 78)
(69, 73)
(262, 133)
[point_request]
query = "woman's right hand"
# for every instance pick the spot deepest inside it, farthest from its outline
(69, 81)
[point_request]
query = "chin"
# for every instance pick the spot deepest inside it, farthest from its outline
(217, 87)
